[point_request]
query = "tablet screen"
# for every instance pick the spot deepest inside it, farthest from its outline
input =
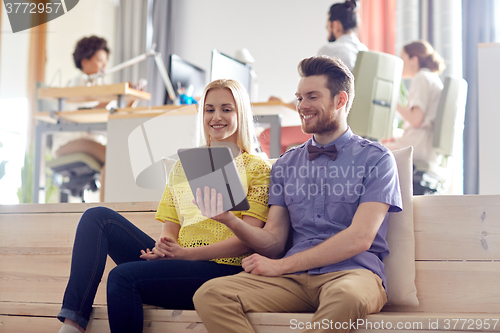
(215, 167)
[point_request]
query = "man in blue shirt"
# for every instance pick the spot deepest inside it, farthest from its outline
(335, 191)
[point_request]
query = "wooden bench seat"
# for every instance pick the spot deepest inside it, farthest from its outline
(457, 270)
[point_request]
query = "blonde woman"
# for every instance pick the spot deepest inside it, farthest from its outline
(191, 249)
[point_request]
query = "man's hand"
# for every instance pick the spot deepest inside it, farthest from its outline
(210, 205)
(260, 265)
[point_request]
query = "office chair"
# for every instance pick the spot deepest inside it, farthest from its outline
(76, 173)
(73, 173)
(377, 85)
(431, 177)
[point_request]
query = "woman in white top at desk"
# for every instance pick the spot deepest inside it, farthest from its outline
(343, 42)
(90, 56)
(422, 64)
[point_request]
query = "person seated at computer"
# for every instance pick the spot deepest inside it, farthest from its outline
(343, 43)
(191, 249)
(422, 64)
(90, 57)
(342, 40)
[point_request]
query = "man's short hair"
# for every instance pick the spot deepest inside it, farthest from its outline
(339, 77)
(87, 47)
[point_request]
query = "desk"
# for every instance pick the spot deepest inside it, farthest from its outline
(103, 93)
(274, 113)
(289, 117)
(137, 142)
(59, 121)
(277, 114)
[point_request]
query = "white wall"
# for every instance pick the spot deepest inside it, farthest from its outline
(13, 107)
(489, 117)
(13, 61)
(89, 17)
(86, 18)
(278, 34)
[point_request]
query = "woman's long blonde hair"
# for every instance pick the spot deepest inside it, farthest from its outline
(246, 129)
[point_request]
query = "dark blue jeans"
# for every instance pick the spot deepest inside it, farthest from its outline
(134, 281)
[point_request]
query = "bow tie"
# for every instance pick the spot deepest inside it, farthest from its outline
(315, 152)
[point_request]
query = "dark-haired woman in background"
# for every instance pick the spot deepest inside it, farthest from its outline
(422, 64)
(343, 43)
(90, 57)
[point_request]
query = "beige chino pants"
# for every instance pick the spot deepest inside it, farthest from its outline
(339, 297)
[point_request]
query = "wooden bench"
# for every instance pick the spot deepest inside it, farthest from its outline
(457, 270)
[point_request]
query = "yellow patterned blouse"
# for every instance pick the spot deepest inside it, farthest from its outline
(196, 230)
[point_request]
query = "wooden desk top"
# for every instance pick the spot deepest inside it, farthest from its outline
(102, 93)
(91, 116)
(289, 116)
(87, 116)
(150, 112)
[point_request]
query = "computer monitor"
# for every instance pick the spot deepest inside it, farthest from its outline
(226, 67)
(184, 74)
(377, 81)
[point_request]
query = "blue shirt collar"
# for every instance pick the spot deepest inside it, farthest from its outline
(338, 142)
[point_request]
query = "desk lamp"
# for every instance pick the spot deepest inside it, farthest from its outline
(139, 58)
(245, 57)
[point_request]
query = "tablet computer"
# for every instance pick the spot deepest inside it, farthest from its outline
(215, 167)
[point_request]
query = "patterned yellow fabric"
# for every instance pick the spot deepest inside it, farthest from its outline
(176, 205)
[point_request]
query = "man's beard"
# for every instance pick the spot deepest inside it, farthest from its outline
(330, 124)
(331, 38)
